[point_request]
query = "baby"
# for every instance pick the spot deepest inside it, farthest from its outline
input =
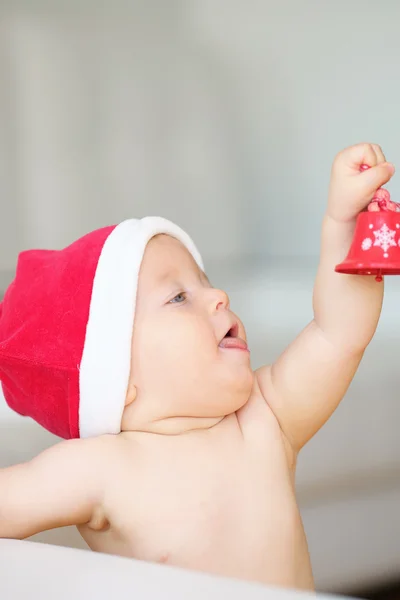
(182, 454)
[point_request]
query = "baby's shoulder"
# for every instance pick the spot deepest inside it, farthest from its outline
(103, 448)
(84, 454)
(102, 460)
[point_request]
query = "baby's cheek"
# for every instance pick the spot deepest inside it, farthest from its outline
(182, 350)
(170, 346)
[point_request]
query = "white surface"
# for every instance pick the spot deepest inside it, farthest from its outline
(40, 572)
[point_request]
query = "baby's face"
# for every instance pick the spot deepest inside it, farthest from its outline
(178, 362)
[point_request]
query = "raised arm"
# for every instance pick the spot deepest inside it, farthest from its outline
(307, 382)
(55, 489)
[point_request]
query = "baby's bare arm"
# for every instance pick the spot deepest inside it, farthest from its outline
(59, 487)
(307, 382)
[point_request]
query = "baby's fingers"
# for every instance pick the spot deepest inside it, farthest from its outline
(379, 154)
(349, 161)
(372, 179)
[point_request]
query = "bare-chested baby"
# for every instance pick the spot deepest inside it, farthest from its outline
(175, 451)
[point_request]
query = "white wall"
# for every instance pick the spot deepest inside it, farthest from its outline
(220, 114)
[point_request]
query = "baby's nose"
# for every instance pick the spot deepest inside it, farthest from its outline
(221, 299)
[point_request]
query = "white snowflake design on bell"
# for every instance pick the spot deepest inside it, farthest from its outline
(367, 243)
(384, 238)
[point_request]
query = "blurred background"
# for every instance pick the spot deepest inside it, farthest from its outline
(224, 116)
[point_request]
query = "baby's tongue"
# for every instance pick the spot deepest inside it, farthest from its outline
(230, 342)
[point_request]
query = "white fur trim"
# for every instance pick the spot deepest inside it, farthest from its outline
(106, 360)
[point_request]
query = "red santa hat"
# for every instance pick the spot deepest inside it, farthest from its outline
(66, 328)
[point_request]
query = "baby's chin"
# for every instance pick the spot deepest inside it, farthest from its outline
(237, 389)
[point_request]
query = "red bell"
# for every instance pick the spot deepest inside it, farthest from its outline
(376, 245)
(375, 249)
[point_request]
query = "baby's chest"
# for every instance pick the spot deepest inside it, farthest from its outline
(202, 500)
(215, 489)
(209, 511)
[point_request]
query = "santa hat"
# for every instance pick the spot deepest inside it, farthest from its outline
(66, 328)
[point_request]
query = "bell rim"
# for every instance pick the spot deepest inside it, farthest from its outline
(374, 268)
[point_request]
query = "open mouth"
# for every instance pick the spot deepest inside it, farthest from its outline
(231, 340)
(232, 332)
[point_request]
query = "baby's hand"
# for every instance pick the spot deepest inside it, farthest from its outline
(350, 188)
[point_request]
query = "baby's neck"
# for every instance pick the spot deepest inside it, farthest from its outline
(175, 425)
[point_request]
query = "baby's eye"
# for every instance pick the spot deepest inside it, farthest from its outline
(178, 299)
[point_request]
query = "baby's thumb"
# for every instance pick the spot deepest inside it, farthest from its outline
(377, 176)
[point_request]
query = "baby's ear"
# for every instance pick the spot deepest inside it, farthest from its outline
(130, 394)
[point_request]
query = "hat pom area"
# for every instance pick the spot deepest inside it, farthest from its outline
(66, 326)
